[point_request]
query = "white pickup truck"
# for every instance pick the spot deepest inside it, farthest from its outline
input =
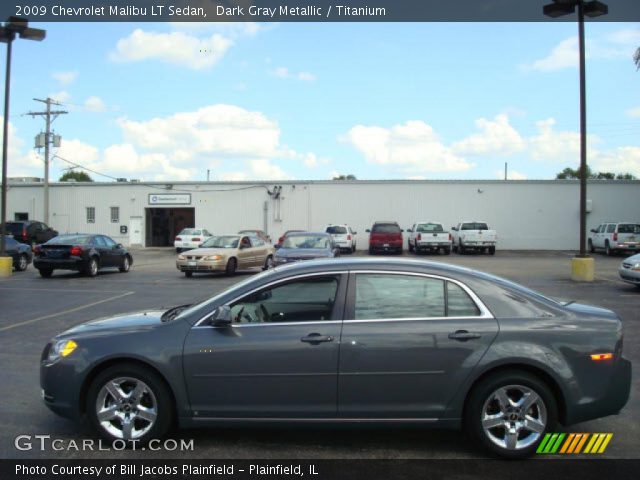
(473, 235)
(429, 236)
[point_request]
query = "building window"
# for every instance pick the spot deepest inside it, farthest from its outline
(115, 214)
(91, 214)
(21, 216)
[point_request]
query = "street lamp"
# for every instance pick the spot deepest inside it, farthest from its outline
(14, 27)
(582, 265)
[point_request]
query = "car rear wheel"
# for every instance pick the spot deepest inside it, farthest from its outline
(510, 412)
(410, 247)
(92, 267)
(268, 263)
(591, 249)
(231, 266)
(126, 264)
(353, 248)
(447, 250)
(23, 261)
(45, 272)
(131, 403)
(492, 250)
(607, 249)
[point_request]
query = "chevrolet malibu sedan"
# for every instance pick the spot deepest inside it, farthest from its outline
(299, 246)
(226, 253)
(347, 341)
(629, 270)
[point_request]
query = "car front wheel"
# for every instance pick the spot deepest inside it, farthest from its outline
(268, 263)
(231, 266)
(510, 412)
(131, 403)
(22, 263)
(126, 264)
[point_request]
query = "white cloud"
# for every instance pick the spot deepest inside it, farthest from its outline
(65, 78)
(94, 104)
(178, 48)
(557, 146)
(511, 175)
(496, 137)
(61, 97)
(257, 169)
(78, 151)
(306, 76)
(634, 112)
(284, 72)
(563, 55)
(619, 160)
(412, 147)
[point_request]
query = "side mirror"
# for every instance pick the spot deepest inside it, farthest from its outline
(368, 231)
(354, 233)
(593, 230)
(277, 246)
(455, 229)
(409, 230)
(401, 230)
(221, 316)
(118, 246)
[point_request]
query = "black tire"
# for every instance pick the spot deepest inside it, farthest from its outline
(454, 248)
(92, 267)
(156, 393)
(591, 249)
(492, 250)
(232, 264)
(480, 398)
(411, 248)
(607, 249)
(188, 274)
(353, 248)
(126, 264)
(370, 251)
(447, 250)
(45, 272)
(178, 250)
(461, 249)
(268, 263)
(23, 263)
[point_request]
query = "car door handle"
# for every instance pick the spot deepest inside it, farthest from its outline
(463, 335)
(316, 338)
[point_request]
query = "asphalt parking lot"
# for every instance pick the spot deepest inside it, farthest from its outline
(33, 309)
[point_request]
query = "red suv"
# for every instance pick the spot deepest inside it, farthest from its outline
(385, 237)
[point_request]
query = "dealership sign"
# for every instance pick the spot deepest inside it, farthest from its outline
(169, 199)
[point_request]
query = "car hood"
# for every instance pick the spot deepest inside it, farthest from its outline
(127, 322)
(303, 252)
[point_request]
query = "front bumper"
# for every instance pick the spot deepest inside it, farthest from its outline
(629, 275)
(60, 387)
(201, 266)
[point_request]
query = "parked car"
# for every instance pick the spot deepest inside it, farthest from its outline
(629, 270)
(226, 253)
(615, 237)
(385, 237)
(83, 252)
(473, 236)
(429, 237)
(346, 341)
(284, 235)
(256, 233)
(305, 246)
(30, 232)
(20, 253)
(189, 238)
(343, 236)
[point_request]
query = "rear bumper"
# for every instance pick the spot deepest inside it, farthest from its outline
(614, 400)
(59, 264)
(629, 247)
(426, 244)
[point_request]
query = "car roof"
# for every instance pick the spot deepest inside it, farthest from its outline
(304, 234)
(429, 221)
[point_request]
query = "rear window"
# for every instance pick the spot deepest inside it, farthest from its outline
(190, 231)
(628, 228)
(474, 226)
(429, 228)
(69, 240)
(336, 230)
(15, 229)
(306, 241)
(385, 228)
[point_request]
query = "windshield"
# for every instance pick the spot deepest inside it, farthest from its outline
(223, 241)
(69, 240)
(385, 228)
(336, 230)
(306, 241)
(429, 228)
(474, 226)
(628, 228)
(190, 231)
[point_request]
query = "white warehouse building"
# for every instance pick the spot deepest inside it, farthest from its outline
(527, 214)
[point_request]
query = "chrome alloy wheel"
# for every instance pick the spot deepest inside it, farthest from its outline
(126, 408)
(22, 263)
(514, 417)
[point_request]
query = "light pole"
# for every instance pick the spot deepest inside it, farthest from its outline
(582, 265)
(14, 27)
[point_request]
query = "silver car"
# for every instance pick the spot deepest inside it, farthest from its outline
(629, 270)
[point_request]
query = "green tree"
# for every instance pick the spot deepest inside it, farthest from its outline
(75, 175)
(345, 177)
(626, 176)
(571, 174)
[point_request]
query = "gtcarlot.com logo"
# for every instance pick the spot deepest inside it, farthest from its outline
(574, 443)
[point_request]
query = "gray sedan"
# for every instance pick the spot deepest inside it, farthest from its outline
(629, 270)
(348, 341)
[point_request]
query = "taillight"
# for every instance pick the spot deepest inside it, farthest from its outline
(450, 238)
(348, 237)
(419, 237)
(280, 240)
(178, 239)
(37, 250)
(195, 239)
(615, 237)
(24, 235)
(76, 251)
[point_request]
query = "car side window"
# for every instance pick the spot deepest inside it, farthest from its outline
(99, 241)
(389, 296)
(611, 228)
(108, 241)
(600, 229)
(245, 242)
(304, 300)
(459, 303)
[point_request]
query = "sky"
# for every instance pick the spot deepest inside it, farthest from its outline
(264, 101)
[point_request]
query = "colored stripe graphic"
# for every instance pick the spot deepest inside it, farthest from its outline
(574, 443)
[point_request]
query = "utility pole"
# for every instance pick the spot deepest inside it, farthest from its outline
(47, 141)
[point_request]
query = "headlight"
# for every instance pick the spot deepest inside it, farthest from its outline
(635, 266)
(281, 260)
(213, 258)
(61, 349)
(181, 257)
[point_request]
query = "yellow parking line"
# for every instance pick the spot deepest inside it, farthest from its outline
(71, 310)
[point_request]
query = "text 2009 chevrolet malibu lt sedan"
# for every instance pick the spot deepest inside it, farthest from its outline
(358, 340)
